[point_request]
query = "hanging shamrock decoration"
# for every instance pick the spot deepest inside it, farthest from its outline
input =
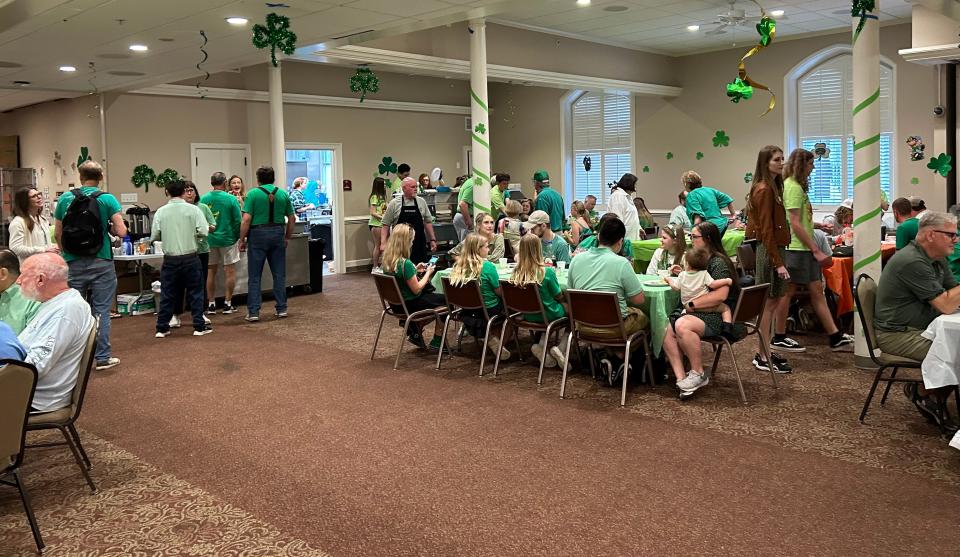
(916, 147)
(364, 81)
(914, 180)
(699, 155)
(859, 8)
(821, 151)
(276, 35)
(167, 176)
(721, 139)
(387, 166)
(748, 177)
(143, 175)
(646, 168)
(739, 89)
(84, 156)
(206, 74)
(669, 155)
(941, 163)
(587, 164)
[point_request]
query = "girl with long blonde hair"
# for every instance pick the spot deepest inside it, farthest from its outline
(531, 270)
(396, 263)
(485, 229)
(472, 265)
(579, 223)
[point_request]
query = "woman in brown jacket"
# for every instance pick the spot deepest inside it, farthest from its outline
(767, 222)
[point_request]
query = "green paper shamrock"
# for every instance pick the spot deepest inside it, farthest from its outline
(748, 177)
(143, 175)
(669, 155)
(766, 27)
(859, 8)
(167, 176)
(277, 35)
(84, 156)
(941, 163)
(914, 180)
(699, 155)
(387, 166)
(480, 128)
(738, 90)
(646, 169)
(364, 81)
(721, 139)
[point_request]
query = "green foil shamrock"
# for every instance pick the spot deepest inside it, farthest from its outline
(721, 139)
(646, 168)
(143, 175)
(364, 81)
(277, 35)
(167, 176)
(387, 166)
(748, 177)
(84, 156)
(669, 155)
(941, 163)
(699, 155)
(859, 8)
(766, 27)
(738, 90)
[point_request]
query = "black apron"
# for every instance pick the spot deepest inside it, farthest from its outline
(410, 215)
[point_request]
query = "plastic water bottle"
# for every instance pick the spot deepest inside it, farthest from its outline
(127, 245)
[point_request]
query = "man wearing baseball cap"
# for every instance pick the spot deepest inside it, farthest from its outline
(548, 200)
(554, 247)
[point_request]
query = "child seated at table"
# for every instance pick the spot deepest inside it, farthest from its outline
(473, 265)
(696, 281)
(530, 269)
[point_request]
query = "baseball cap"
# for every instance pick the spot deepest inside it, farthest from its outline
(541, 176)
(535, 218)
(916, 203)
(848, 203)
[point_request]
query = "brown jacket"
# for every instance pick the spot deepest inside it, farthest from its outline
(767, 221)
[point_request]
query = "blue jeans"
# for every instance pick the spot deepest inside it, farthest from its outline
(266, 243)
(179, 273)
(96, 280)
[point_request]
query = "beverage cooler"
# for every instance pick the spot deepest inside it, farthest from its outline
(12, 180)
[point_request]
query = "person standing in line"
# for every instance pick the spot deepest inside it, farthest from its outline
(263, 236)
(191, 196)
(297, 199)
(377, 203)
(501, 182)
(412, 210)
(548, 200)
(16, 310)
(223, 241)
(621, 204)
(704, 203)
(236, 189)
(403, 171)
(29, 230)
(463, 218)
(83, 230)
(180, 225)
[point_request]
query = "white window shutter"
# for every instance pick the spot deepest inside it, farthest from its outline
(601, 131)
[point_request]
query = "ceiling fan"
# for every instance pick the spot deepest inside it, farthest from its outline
(734, 18)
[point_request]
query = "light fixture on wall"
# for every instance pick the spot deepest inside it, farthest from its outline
(777, 13)
(693, 28)
(67, 69)
(139, 47)
(583, 2)
(237, 20)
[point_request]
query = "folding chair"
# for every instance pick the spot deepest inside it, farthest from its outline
(520, 300)
(395, 306)
(18, 380)
(465, 297)
(747, 259)
(749, 308)
(601, 310)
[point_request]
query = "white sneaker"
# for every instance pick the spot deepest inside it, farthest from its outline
(558, 356)
(205, 331)
(206, 320)
(537, 350)
(174, 322)
(376, 270)
(107, 364)
(692, 382)
(162, 334)
(493, 343)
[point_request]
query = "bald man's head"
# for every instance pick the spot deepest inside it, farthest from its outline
(43, 276)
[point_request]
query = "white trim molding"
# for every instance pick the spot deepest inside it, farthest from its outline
(931, 55)
(434, 65)
(220, 93)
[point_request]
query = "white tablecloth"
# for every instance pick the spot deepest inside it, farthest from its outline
(941, 367)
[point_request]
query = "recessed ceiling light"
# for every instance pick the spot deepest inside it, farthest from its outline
(693, 27)
(237, 20)
(139, 47)
(67, 69)
(615, 9)
(583, 2)
(778, 13)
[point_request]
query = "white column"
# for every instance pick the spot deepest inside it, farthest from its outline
(278, 150)
(866, 157)
(479, 116)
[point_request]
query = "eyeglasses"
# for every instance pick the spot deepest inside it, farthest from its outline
(952, 235)
(36, 195)
(696, 236)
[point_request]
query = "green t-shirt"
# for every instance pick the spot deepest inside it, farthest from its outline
(489, 282)
(706, 203)
(591, 241)
(954, 261)
(396, 186)
(557, 249)
(907, 232)
(405, 271)
(549, 290)
(257, 204)
(795, 198)
(601, 270)
(108, 207)
(16, 310)
(380, 205)
(496, 201)
(909, 281)
(203, 245)
(226, 212)
(551, 202)
(465, 195)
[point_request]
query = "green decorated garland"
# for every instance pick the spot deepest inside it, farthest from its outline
(277, 35)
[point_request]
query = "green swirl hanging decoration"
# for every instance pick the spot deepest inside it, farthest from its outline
(364, 81)
(143, 176)
(277, 35)
(742, 87)
(862, 9)
(167, 176)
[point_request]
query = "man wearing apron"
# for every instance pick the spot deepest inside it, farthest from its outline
(411, 210)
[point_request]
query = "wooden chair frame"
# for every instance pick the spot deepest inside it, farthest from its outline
(388, 288)
(455, 311)
(517, 300)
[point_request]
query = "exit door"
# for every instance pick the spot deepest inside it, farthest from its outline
(207, 158)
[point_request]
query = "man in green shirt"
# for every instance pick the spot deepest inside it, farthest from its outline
(223, 240)
(548, 200)
(94, 275)
(496, 194)
(463, 219)
(16, 310)
(555, 248)
(402, 172)
(179, 225)
(907, 221)
(264, 211)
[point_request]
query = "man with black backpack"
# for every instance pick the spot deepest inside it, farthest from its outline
(264, 237)
(84, 219)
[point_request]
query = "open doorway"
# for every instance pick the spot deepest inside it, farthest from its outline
(321, 217)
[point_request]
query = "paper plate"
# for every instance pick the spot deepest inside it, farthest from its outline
(655, 283)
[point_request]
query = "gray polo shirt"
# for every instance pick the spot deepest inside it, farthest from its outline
(392, 213)
(909, 281)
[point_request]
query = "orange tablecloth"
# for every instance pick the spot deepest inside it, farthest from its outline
(838, 277)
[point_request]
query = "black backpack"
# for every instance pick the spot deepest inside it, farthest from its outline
(82, 227)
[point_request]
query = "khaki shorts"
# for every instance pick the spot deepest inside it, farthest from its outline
(224, 256)
(635, 321)
(906, 344)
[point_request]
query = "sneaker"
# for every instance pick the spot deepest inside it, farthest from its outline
(692, 382)
(206, 320)
(415, 338)
(537, 350)
(780, 365)
(252, 318)
(558, 356)
(108, 363)
(844, 344)
(203, 331)
(174, 322)
(281, 314)
(434, 345)
(228, 308)
(493, 343)
(376, 270)
(787, 344)
(162, 334)
(212, 309)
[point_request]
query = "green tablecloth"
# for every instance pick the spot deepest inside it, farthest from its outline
(658, 303)
(643, 249)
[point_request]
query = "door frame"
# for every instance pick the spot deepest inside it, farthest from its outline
(193, 155)
(340, 244)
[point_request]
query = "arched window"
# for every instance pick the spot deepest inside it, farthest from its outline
(820, 106)
(601, 130)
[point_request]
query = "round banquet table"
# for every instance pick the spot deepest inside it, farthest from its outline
(838, 277)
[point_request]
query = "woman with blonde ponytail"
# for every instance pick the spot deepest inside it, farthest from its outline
(472, 265)
(396, 262)
(531, 270)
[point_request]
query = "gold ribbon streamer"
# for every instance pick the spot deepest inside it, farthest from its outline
(742, 68)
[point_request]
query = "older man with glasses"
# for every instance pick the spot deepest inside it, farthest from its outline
(917, 286)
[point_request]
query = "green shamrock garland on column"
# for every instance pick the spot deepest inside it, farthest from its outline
(276, 35)
(143, 175)
(364, 81)
(861, 9)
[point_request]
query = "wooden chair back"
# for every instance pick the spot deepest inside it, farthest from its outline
(597, 310)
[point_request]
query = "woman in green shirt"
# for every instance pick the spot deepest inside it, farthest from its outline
(378, 205)
(396, 262)
(472, 265)
(531, 270)
(591, 241)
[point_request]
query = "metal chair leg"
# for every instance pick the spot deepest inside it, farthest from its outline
(566, 357)
(717, 349)
(486, 337)
(736, 370)
(765, 350)
(893, 375)
(593, 368)
(873, 388)
(496, 364)
(76, 439)
(406, 327)
(648, 349)
(79, 459)
(626, 372)
(28, 508)
(546, 350)
(443, 339)
(383, 316)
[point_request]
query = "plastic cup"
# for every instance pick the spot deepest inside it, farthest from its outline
(561, 265)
